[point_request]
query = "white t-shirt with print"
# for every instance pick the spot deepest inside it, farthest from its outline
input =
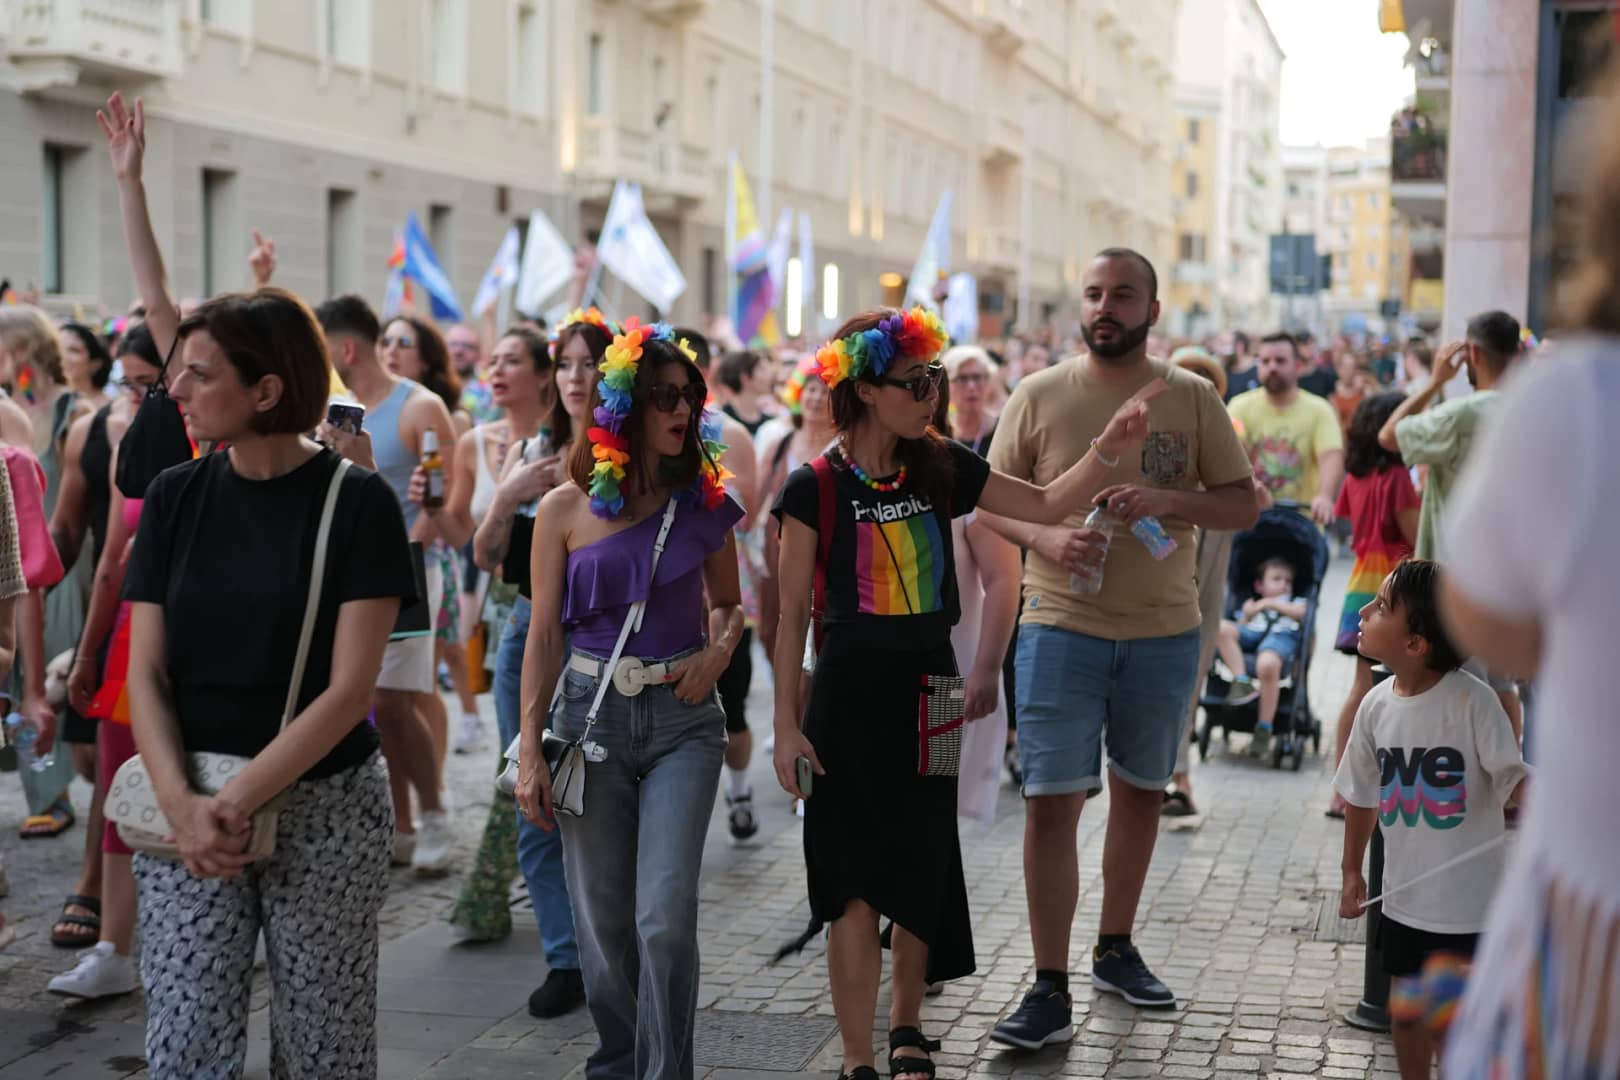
(1439, 768)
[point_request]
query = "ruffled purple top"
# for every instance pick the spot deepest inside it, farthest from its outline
(606, 577)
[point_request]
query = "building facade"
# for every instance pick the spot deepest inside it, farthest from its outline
(1228, 79)
(1510, 124)
(323, 122)
(1366, 242)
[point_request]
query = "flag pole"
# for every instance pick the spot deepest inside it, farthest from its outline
(730, 271)
(767, 98)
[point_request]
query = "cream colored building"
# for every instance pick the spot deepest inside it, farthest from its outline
(1228, 199)
(324, 121)
(1366, 239)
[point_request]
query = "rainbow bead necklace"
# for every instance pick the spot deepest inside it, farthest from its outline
(884, 486)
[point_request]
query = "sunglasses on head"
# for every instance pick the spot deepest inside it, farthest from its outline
(920, 385)
(665, 396)
(403, 341)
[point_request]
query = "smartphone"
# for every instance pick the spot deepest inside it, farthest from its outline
(346, 416)
(805, 775)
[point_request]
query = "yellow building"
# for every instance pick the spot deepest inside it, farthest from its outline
(1191, 296)
(1366, 239)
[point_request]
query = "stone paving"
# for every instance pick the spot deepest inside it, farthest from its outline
(1229, 920)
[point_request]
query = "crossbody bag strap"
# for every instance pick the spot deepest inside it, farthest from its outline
(317, 578)
(631, 622)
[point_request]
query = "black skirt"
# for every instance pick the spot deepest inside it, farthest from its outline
(874, 830)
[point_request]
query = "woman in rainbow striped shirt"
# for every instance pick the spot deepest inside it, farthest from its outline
(866, 542)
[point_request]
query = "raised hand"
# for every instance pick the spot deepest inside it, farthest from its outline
(262, 259)
(1128, 429)
(126, 135)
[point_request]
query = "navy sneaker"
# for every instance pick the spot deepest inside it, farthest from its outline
(1045, 1017)
(1121, 971)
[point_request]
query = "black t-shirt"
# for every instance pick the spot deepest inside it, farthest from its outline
(229, 560)
(1238, 382)
(891, 574)
(1320, 381)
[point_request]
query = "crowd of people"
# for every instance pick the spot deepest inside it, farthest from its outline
(961, 564)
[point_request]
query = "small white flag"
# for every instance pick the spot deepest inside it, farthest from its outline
(548, 265)
(630, 247)
(502, 273)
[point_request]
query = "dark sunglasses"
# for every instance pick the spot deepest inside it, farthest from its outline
(665, 396)
(404, 341)
(920, 385)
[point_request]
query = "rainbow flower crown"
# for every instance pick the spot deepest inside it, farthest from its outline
(610, 446)
(869, 353)
(793, 390)
(589, 316)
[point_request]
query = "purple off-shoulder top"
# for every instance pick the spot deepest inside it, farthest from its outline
(606, 577)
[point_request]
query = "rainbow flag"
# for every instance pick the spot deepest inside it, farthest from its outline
(754, 315)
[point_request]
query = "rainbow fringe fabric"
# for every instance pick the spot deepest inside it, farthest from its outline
(1366, 577)
(870, 353)
(610, 446)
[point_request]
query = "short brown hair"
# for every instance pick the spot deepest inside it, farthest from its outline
(271, 332)
(678, 472)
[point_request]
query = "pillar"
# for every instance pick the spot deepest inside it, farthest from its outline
(1490, 160)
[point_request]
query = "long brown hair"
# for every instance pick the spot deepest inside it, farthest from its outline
(927, 459)
(596, 340)
(1593, 290)
(680, 471)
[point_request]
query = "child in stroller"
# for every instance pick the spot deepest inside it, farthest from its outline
(1270, 634)
(1284, 532)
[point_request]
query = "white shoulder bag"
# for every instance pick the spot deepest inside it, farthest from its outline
(132, 803)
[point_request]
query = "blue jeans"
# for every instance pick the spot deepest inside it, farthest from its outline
(540, 854)
(633, 860)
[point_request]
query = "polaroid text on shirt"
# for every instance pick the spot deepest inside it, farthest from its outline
(895, 511)
(1425, 783)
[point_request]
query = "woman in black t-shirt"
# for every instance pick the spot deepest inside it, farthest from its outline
(879, 838)
(218, 583)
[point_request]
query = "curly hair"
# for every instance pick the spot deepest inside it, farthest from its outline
(1363, 456)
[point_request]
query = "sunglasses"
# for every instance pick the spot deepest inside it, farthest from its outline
(403, 341)
(666, 396)
(920, 385)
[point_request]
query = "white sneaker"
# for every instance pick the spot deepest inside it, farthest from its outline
(432, 843)
(100, 973)
(446, 801)
(470, 735)
(404, 848)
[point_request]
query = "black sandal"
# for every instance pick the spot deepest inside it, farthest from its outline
(906, 1038)
(860, 1072)
(1177, 803)
(91, 923)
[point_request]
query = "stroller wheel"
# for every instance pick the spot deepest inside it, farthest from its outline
(1203, 740)
(1316, 736)
(1298, 757)
(1278, 750)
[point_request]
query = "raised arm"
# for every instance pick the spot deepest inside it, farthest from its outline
(126, 143)
(1009, 497)
(1446, 367)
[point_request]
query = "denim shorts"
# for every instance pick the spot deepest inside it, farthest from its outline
(1276, 639)
(1076, 691)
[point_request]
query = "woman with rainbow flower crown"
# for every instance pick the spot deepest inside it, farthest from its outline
(866, 528)
(621, 560)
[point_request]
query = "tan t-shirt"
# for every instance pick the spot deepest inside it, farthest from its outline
(1048, 425)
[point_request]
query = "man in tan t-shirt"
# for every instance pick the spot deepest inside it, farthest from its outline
(1120, 663)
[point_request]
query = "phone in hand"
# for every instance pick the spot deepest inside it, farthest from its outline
(346, 416)
(802, 764)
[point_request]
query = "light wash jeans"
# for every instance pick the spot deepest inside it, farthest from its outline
(633, 860)
(540, 853)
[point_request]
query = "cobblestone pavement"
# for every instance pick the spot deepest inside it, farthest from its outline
(1229, 919)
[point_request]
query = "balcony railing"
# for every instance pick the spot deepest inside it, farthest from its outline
(51, 42)
(1417, 155)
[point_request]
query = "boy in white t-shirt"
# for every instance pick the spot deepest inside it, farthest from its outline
(1433, 761)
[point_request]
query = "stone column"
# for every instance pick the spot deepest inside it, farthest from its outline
(1491, 159)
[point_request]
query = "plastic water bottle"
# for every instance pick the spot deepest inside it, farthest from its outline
(1106, 522)
(22, 734)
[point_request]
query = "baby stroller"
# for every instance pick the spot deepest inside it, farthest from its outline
(1284, 530)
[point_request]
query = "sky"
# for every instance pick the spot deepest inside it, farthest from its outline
(1341, 78)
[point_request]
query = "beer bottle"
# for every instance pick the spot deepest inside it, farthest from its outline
(433, 466)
